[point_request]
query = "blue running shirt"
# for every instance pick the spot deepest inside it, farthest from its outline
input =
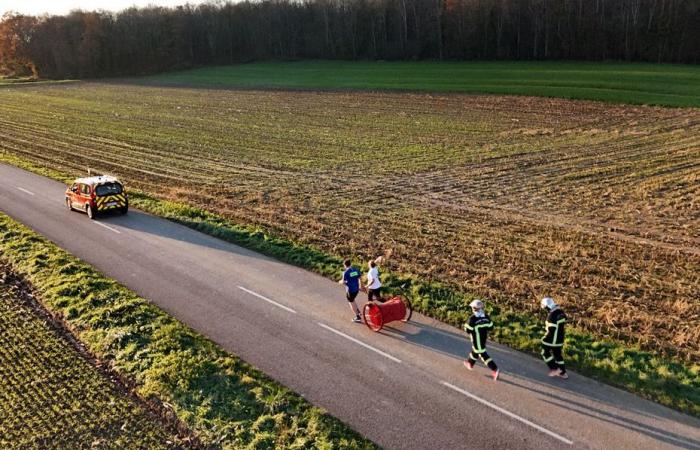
(351, 276)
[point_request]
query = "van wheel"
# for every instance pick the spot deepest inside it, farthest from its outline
(90, 212)
(69, 205)
(124, 210)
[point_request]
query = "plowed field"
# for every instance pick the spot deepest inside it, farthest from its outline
(512, 198)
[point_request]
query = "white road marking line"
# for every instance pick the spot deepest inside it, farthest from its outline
(25, 191)
(507, 413)
(339, 333)
(262, 297)
(108, 227)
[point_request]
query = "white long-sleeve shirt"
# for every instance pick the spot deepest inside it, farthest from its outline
(373, 279)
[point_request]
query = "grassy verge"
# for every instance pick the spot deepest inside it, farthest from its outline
(655, 84)
(25, 81)
(57, 397)
(15, 80)
(226, 401)
(659, 379)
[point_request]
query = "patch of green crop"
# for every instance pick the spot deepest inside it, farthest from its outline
(54, 397)
(224, 400)
(636, 83)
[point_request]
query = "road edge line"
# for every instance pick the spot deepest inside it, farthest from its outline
(357, 341)
(25, 191)
(108, 227)
(262, 297)
(507, 413)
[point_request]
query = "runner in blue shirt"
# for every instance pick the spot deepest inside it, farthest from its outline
(351, 280)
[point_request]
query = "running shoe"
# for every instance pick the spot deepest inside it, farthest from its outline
(494, 374)
(469, 365)
(357, 319)
(563, 375)
(554, 373)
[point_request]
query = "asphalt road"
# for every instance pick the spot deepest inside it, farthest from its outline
(404, 388)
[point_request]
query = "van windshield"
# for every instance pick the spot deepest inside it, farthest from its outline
(108, 189)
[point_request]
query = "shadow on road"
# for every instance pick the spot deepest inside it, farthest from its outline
(580, 408)
(456, 345)
(146, 223)
(431, 338)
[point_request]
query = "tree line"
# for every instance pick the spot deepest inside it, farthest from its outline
(145, 40)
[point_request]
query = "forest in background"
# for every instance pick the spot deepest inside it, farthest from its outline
(154, 39)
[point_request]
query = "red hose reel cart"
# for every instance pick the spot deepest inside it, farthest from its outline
(378, 314)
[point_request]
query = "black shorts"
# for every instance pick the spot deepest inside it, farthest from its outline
(351, 295)
(374, 293)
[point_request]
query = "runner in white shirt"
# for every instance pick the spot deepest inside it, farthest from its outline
(373, 283)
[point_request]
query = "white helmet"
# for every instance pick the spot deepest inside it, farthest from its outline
(548, 303)
(477, 305)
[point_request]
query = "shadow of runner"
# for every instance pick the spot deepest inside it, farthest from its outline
(572, 387)
(580, 408)
(652, 432)
(431, 338)
(534, 371)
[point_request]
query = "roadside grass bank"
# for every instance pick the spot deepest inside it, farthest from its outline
(634, 83)
(642, 372)
(15, 80)
(55, 395)
(28, 81)
(225, 401)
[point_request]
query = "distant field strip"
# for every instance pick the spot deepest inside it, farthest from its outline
(53, 397)
(506, 197)
(657, 84)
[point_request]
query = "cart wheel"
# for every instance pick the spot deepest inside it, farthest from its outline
(373, 317)
(409, 309)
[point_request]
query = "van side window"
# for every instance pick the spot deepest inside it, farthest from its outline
(75, 187)
(85, 189)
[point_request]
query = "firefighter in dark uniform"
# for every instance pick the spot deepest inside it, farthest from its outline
(478, 328)
(553, 340)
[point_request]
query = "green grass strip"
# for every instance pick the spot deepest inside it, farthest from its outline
(8, 82)
(228, 403)
(662, 380)
(635, 83)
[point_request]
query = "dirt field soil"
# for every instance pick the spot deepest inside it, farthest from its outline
(508, 197)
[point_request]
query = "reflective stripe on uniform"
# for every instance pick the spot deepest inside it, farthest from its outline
(478, 336)
(556, 330)
(547, 359)
(551, 324)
